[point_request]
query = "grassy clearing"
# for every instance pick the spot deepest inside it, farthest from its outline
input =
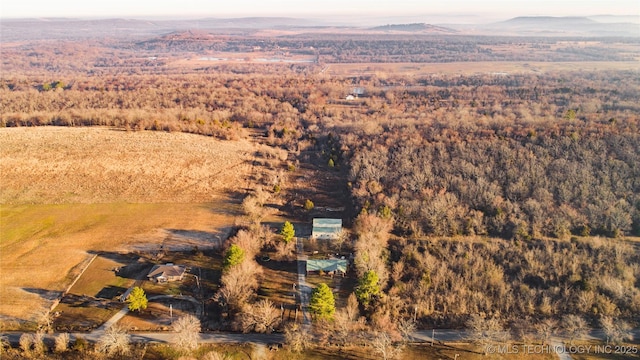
(276, 281)
(99, 278)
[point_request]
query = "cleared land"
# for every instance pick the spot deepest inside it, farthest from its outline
(71, 192)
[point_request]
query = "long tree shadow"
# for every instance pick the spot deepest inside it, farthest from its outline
(111, 292)
(286, 266)
(49, 295)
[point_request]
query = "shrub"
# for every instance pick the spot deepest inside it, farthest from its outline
(308, 205)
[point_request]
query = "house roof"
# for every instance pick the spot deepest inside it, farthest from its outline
(327, 265)
(166, 271)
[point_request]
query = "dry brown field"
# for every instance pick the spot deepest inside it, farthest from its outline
(67, 193)
(472, 68)
(53, 165)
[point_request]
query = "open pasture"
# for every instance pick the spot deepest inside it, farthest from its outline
(68, 193)
(52, 165)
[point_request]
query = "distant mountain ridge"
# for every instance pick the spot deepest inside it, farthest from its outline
(562, 20)
(563, 26)
(414, 27)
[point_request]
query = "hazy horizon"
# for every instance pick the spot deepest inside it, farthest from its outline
(461, 10)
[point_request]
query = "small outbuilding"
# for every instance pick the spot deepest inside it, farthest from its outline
(326, 228)
(166, 273)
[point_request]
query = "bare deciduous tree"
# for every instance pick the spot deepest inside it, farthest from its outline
(574, 327)
(187, 332)
(406, 327)
(61, 343)
(486, 330)
(352, 309)
(296, 338)
(261, 317)
(545, 329)
(44, 319)
(238, 285)
(285, 251)
(115, 341)
(247, 241)
(342, 237)
(617, 331)
(384, 346)
(25, 342)
(254, 209)
(39, 346)
(521, 329)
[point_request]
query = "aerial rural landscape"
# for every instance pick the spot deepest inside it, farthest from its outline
(290, 187)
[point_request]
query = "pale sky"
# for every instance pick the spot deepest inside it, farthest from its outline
(216, 8)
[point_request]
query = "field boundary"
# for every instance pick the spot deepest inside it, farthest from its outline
(56, 302)
(79, 275)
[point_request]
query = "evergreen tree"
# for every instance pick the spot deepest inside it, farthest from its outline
(233, 257)
(367, 287)
(137, 299)
(287, 232)
(322, 303)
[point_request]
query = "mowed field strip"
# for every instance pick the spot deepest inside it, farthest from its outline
(70, 192)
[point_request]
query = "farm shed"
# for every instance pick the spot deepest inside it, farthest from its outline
(327, 265)
(166, 273)
(326, 228)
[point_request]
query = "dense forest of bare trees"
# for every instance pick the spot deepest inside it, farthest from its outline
(521, 156)
(581, 180)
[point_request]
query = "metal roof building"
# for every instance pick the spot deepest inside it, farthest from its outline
(328, 265)
(326, 228)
